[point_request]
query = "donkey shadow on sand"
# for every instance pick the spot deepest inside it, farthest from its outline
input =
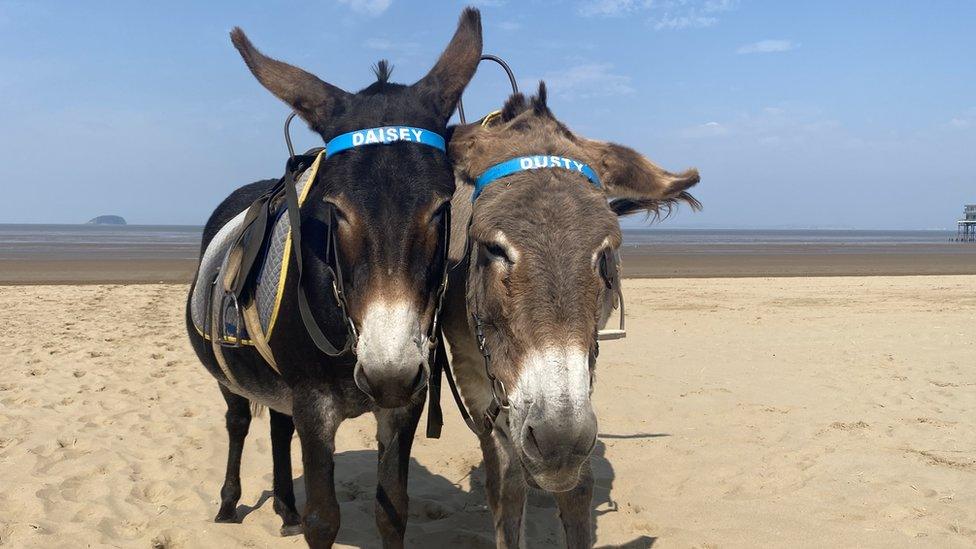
(444, 514)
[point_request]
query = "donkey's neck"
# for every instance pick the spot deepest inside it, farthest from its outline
(461, 210)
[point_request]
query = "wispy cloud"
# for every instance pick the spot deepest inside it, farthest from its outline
(510, 25)
(708, 129)
(663, 14)
(963, 121)
(690, 14)
(371, 8)
(588, 80)
(767, 46)
(771, 126)
(487, 3)
(960, 123)
(608, 8)
(379, 43)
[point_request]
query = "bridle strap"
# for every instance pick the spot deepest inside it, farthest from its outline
(498, 403)
(452, 383)
(435, 341)
(311, 325)
(368, 136)
(491, 413)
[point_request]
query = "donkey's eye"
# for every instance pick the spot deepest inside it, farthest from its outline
(438, 216)
(497, 253)
(340, 215)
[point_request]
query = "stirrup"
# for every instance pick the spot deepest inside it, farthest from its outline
(226, 340)
(608, 334)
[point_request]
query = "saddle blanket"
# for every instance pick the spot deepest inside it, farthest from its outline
(260, 313)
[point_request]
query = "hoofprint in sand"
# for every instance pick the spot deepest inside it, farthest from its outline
(773, 412)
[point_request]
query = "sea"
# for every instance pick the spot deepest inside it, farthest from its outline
(182, 242)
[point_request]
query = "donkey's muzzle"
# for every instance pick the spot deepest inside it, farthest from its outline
(554, 449)
(391, 387)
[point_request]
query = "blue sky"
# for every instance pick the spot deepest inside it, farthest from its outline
(812, 114)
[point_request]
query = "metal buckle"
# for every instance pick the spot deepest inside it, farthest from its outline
(222, 321)
(353, 336)
(498, 387)
(335, 291)
(614, 283)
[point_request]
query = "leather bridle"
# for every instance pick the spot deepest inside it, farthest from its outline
(333, 264)
(609, 272)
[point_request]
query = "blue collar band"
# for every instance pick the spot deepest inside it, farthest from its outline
(523, 163)
(383, 136)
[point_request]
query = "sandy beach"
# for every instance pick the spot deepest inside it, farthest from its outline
(787, 412)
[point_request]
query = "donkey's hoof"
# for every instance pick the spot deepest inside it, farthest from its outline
(226, 515)
(291, 530)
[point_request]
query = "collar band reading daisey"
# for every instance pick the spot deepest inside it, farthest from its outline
(383, 136)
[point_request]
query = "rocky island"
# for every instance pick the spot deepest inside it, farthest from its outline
(107, 220)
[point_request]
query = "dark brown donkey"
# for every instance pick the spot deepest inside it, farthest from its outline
(388, 206)
(535, 283)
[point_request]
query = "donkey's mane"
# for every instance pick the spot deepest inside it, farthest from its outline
(517, 104)
(382, 69)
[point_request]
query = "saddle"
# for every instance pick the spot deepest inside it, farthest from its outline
(241, 276)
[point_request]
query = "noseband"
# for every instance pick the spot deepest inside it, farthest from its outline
(386, 135)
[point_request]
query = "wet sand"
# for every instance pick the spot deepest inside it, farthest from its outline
(798, 261)
(645, 262)
(749, 412)
(96, 271)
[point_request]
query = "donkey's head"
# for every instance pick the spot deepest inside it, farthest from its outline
(540, 238)
(388, 205)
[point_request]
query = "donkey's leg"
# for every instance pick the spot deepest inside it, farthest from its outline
(282, 428)
(574, 510)
(238, 419)
(505, 488)
(394, 432)
(316, 418)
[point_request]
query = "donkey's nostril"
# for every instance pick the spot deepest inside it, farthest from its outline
(420, 382)
(390, 387)
(359, 376)
(531, 445)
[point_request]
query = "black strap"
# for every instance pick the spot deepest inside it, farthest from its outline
(478, 430)
(435, 415)
(445, 366)
(250, 239)
(294, 218)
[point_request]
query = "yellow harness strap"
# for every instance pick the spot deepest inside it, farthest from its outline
(489, 118)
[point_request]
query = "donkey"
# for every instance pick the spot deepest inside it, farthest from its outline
(377, 216)
(531, 289)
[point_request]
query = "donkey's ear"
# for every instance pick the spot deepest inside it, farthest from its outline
(445, 82)
(316, 101)
(635, 183)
